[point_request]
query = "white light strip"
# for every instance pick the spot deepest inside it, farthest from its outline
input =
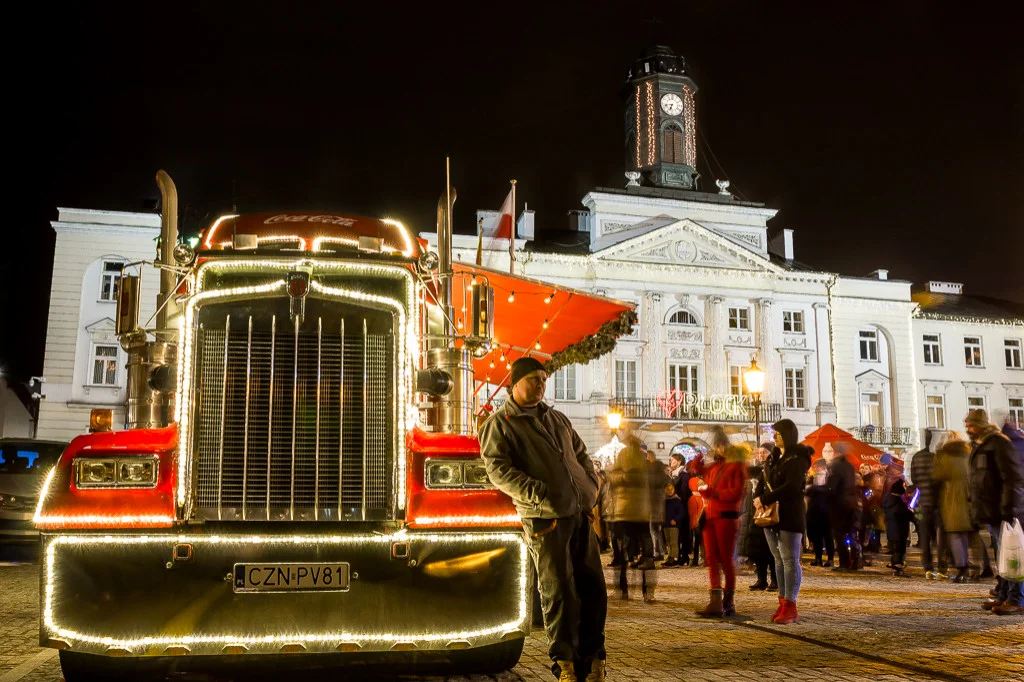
(276, 238)
(43, 492)
(402, 231)
(105, 520)
(349, 242)
(505, 520)
(208, 243)
(55, 630)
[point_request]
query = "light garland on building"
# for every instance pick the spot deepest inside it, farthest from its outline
(651, 142)
(636, 109)
(325, 639)
(690, 119)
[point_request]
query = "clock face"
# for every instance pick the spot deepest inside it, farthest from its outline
(671, 104)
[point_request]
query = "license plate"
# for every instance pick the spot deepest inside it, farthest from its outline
(291, 577)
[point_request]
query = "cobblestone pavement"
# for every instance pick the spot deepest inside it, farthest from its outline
(867, 626)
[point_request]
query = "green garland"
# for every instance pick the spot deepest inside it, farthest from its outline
(593, 346)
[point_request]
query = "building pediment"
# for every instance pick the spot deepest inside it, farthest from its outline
(103, 325)
(667, 241)
(872, 375)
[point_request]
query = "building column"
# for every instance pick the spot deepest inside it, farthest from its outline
(826, 408)
(717, 381)
(768, 358)
(652, 380)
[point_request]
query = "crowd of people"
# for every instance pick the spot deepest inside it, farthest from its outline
(703, 512)
(731, 504)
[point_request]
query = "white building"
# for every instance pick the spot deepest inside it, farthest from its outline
(83, 364)
(968, 351)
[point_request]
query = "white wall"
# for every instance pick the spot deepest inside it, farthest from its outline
(77, 317)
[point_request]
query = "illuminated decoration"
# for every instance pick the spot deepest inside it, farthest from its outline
(96, 520)
(636, 108)
(545, 325)
(614, 420)
(213, 229)
(404, 231)
(607, 453)
(690, 122)
(549, 297)
(502, 520)
(326, 640)
(536, 346)
(276, 238)
(408, 342)
(512, 297)
(320, 241)
(651, 143)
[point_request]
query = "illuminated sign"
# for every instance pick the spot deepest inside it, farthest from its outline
(676, 404)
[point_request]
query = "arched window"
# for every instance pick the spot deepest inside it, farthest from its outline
(672, 145)
(683, 317)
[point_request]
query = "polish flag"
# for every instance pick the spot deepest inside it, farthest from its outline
(503, 228)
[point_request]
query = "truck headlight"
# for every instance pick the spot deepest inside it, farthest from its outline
(447, 474)
(116, 472)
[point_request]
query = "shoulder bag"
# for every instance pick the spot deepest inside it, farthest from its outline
(768, 514)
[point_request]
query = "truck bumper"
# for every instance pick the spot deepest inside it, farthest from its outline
(164, 594)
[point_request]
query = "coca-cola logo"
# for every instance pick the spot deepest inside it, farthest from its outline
(323, 219)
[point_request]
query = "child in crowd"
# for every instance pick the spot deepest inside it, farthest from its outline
(675, 516)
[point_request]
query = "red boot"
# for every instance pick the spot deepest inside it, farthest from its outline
(778, 610)
(788, 614)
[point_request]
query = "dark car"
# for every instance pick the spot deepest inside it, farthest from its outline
(23, 466)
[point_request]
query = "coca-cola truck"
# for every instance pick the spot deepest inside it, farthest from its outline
(299, 473)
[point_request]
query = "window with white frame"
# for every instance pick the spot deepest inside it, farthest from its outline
(739, 318)
(682, 377)
(868, 344)
(684, 317)
(111, 277)
(793, 321)
(975, 402)
(625, 378)
(1012, 349)
(736, 384)
(932, 349)
(796, 397)
(104, 365)
(871, 408)
(1016, 412)
(936, 407)
(564, 381)
(972, 351)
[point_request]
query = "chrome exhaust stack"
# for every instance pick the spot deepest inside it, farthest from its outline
(152, 365)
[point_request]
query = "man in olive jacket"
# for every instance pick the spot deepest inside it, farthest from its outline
(533, 455)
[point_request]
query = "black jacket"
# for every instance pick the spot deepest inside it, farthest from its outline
(921, 465)
(997, 482)
(783, 482)
(752, 542)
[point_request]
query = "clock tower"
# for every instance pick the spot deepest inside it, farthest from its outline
(661, 121)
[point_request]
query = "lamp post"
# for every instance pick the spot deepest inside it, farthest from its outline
(754, 380)
(614, 421)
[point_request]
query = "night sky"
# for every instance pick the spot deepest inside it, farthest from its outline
(886, 139)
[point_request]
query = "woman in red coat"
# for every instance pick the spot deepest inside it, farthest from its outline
(724, 482)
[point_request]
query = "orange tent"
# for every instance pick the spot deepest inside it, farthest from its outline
(829, 434)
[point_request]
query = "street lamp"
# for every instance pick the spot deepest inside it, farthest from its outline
(754, 380)
(614, 420)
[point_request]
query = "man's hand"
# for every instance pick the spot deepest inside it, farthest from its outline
(757, 503)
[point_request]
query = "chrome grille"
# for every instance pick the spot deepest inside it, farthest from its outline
(294, 422)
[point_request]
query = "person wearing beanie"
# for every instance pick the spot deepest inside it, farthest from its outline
(996, 492)
(533, 454)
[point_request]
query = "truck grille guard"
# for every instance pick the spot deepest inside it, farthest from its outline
(288, 418)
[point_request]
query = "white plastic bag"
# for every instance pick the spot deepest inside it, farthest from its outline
(1011, 552)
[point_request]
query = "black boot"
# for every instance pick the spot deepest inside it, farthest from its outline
(728, 603)
(760, 585)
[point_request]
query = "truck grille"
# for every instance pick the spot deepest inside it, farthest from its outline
(294, 423)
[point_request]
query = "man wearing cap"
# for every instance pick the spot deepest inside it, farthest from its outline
(533, 455)
(997, 495)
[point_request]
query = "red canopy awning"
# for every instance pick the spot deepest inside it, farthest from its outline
(534, 318)
(829, 434)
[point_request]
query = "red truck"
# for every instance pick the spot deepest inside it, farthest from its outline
(299, 474)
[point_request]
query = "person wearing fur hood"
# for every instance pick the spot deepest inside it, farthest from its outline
(724, 481)
(782, 482)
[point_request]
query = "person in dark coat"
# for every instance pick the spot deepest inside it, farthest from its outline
(783, 482)
(819, 532)
(922, 464)
(753, 543)
(657, 479)
(674, 519)
(844, 509)
(681, 482)
(897, 524)
(997, 495)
